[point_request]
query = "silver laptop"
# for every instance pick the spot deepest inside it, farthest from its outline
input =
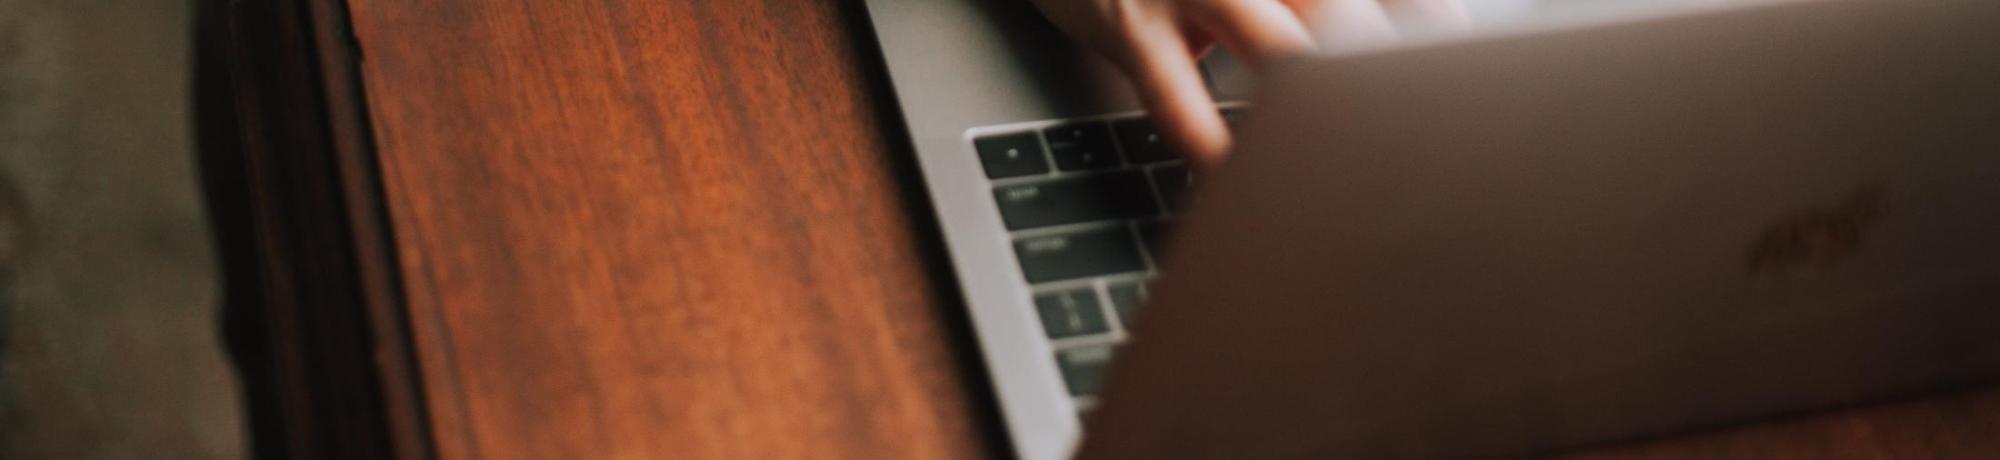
(1053, 193)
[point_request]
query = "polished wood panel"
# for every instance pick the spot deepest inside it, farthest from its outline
(661, 228)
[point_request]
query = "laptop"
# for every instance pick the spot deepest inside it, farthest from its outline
(1500, 245)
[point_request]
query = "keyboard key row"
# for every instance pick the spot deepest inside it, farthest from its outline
(1079, 255)
(1112, 196)
(1079, 146)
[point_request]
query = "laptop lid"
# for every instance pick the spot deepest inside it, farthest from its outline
(1575, 236)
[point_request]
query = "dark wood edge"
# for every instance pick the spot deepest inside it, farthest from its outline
(320, 273)
(970, 361)
(374, 247)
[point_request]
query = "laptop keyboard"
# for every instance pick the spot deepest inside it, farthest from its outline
(1084, 202)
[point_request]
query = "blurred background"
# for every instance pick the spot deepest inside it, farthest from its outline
(108, 288)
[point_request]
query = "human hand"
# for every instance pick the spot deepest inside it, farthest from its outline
(1157, 42)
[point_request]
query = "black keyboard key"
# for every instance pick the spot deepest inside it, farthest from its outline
(1011, 155)
(1174, 182)
(1125, 299)
(1077, 255)
(1121, 195)
(1071, 313)
(1080, 146)
(1142, 141)
(1083, 368)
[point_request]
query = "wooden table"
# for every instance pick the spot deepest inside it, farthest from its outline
(662, 227)
(691, 228)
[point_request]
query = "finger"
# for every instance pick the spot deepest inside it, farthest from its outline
(1170, 84)
(1258, 30)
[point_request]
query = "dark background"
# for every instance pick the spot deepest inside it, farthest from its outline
(108, 284)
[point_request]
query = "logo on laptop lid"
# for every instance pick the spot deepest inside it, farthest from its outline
(1819, 237)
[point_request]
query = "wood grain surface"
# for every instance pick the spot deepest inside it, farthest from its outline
(687, 229)
(661, 228)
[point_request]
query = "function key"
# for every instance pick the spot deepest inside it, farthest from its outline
(1079, 146)
(1077, 255)
(1011, 155)
(1142, 141)
(1071, 313)
(1083, 368)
